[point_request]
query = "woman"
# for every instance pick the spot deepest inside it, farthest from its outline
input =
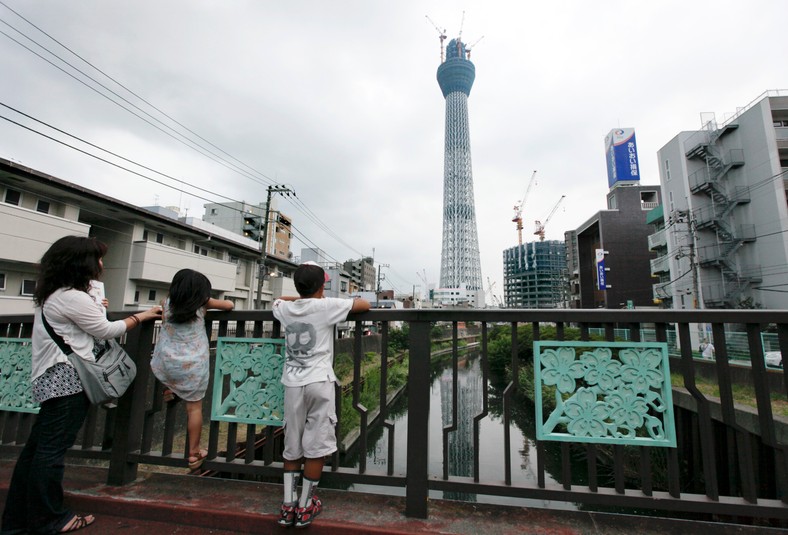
(35, 496)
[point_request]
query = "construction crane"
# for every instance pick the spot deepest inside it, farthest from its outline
(495, 300)
(490, 286)
(441, 34)
(518, 210)
(469, 47)
(540, 226)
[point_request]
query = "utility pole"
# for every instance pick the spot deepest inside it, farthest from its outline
(377, 290)
(262, 272)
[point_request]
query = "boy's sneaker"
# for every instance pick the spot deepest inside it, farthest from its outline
(287, 515)
(305, 515)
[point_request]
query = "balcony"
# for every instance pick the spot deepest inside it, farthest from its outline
(660, 264)
(661, 291)
(658, 240)
(703, 476)
(159, 263)
(27, 234)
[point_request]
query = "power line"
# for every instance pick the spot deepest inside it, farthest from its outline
(173, 132)
(299, 206)
(170, 131)
(132, 92)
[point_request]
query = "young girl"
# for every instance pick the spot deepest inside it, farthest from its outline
(180, 360)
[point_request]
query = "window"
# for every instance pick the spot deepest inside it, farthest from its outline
(343, 285)
(2, 281)
(649, 200)
(152, 295)
(327, 285)
(670, 202)
(144, 235)
(12, 196)
(213, 211)
(159, 238)
(667, 170)
(28, 287)
(137, 296)
(43, 207)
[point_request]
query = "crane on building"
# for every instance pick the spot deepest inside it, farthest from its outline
(540, 226)
(518, 210)
(469, 47)
(441, 34)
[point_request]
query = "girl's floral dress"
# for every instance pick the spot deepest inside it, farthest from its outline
(180, 360)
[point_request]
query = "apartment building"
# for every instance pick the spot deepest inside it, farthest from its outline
(248, 220)
(146, 246)
(362, 274)
(725, 237)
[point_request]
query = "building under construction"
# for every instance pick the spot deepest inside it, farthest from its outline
(535, 275)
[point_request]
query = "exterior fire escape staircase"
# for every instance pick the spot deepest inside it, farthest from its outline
(717, 215)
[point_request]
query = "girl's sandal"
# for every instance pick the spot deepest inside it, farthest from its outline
(168, 396)
(78, 522)
(195, 461)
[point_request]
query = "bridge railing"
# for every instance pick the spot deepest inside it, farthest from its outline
(730, 456)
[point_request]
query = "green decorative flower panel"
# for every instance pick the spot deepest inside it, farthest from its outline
(247, 385)
(604, 392)
(16, 390)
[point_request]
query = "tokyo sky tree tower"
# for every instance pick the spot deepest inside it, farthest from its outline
(460, 255)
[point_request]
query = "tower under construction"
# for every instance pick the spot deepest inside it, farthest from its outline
(460, 265)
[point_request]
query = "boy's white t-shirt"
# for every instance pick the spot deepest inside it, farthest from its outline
(308, 326)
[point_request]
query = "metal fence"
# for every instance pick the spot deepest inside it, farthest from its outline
(730, 457)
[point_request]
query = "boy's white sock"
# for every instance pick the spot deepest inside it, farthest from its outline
(291, 486)
(307, 490)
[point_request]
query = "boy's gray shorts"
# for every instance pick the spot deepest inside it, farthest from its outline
(310, 421)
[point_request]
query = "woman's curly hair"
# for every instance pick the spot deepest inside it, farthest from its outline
(71, 262)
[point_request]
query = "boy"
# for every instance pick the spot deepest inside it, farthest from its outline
(308, 376)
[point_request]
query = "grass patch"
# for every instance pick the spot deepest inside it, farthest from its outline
(744, 394)
(369, 393)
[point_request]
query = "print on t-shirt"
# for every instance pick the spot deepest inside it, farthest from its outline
(301, 339)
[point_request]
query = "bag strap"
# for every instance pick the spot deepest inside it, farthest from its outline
(64, 347)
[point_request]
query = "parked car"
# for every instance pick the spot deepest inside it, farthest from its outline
(773, 359)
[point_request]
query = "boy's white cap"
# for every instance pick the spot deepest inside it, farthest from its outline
(313, 263)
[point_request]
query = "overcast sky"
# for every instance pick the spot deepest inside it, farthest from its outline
(339, 101)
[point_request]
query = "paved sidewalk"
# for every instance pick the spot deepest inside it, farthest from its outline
(159, 503)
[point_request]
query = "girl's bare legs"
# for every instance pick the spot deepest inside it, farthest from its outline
(194, 426)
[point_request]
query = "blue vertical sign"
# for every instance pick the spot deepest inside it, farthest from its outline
(600, 269)
(621, 153)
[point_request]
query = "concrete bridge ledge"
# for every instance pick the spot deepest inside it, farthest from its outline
(158, 503)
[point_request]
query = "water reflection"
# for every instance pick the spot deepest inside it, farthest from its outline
(470, 392)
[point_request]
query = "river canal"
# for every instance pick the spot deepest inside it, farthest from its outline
(491, 437)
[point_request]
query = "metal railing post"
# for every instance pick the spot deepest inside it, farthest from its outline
(417, 488)
(131, 407)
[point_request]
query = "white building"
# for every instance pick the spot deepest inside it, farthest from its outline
(146, 247)
(460, 297)
(726, 220)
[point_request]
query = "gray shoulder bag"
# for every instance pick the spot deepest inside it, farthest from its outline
(106, 379)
